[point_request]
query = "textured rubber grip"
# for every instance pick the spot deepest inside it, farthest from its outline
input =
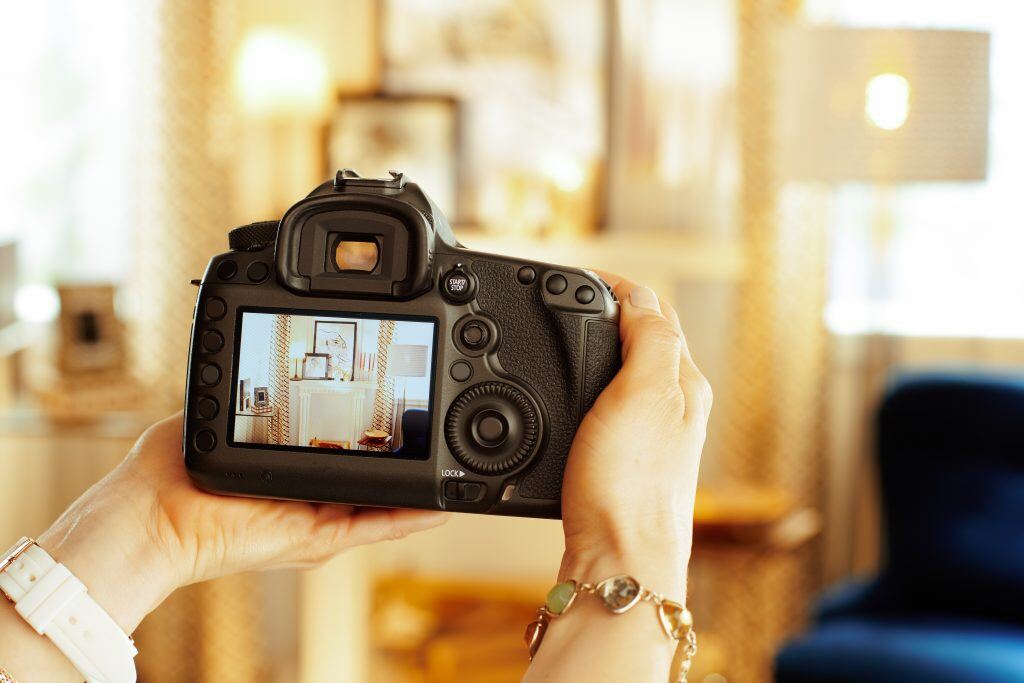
(564, 357)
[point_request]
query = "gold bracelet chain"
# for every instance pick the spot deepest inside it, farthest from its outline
(619, 594)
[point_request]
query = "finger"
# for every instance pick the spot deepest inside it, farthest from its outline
(695, 386)
(651, 343)
(370, 525)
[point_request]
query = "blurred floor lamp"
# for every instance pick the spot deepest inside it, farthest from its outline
(882, 107)
(405, 361)
(281, 82)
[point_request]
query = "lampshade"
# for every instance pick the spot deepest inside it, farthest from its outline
(407, 360)
(882, 105)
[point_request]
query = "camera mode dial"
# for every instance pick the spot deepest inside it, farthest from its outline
(492, 428)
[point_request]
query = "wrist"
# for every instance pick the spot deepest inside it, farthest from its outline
(660, 565)
(104, 541)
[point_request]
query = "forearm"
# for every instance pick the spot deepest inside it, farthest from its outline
(591, 643)
(27, 655)
(118, 567)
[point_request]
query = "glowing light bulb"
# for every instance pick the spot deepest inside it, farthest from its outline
(564, 171)
(36, 303)
(277, 73)
(887, 101)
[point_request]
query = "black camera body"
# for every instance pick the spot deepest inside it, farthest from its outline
(355, 353)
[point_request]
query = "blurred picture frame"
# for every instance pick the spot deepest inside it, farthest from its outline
(8, 282)
(316, 366)
(533, 81)
(92, 338)
(418, 134)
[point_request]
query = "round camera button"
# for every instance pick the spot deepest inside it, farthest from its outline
(227, 270)
(257, 271)
(475, 335)
(213, 341)
(526, 275)
(491, 428)
(215, 308)
(585, 294)
(205, 441)
(557, 284)
(207, 407)
(209, 374)
(457, 285)
(460, 371)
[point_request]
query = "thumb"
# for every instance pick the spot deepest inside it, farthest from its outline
(651, 343)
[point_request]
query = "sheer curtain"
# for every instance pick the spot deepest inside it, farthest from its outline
(66, 180)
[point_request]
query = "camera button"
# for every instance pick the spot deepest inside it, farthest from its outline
(205, 441)
(213, 341)
(471, 491)
(556, 284)
(585, 294)
(451, 489)
(460, 371)
(489, 429)
(207, 407)
(475, 335)
(227, 270)
(526, 275)
(209, 374)
(257, 271)
(457, 285)
(215, 308)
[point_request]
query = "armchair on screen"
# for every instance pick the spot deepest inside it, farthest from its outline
(948, 605)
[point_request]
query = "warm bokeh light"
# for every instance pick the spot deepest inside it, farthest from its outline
(887, 101)
(278, 74)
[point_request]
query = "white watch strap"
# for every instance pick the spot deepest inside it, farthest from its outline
(56, 604)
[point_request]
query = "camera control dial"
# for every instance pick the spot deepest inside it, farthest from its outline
(492, 428)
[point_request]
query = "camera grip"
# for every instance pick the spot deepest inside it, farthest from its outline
(567, 359)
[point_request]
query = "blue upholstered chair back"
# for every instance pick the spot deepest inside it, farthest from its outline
(951, 459)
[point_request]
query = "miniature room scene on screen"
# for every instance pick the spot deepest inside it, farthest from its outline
(334, 383)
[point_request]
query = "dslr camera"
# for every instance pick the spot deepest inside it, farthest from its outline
(354, 352)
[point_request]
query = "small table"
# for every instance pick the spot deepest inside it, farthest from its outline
(750, 565)
(369, 443)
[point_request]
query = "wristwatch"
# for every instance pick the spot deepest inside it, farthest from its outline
(56, 604)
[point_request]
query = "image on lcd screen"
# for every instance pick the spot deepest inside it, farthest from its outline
(334, 384)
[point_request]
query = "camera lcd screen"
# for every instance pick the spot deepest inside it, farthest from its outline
(348, 384)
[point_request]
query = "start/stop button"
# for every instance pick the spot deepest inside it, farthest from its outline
(458, 285)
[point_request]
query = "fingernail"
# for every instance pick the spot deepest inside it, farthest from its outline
(644, 297)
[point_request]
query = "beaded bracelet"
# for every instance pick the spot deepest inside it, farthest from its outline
(6, 677)
(619, 594)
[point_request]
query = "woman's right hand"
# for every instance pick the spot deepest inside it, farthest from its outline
(628, 496)
(631, 478)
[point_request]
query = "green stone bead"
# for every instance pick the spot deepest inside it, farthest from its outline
(560, 597)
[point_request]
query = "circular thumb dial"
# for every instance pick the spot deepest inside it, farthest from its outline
(492, 428)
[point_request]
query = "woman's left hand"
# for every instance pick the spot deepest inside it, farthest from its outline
(145, 530)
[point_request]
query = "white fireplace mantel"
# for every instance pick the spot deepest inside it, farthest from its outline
(324, 409)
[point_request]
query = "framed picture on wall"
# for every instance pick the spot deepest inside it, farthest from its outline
(532, 81)
(415, 134)
(316, 366)
(91, 336)
(337, 340)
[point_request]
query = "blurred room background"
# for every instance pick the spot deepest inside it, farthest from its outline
(826, 190)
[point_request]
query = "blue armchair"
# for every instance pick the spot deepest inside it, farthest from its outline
(948, 606)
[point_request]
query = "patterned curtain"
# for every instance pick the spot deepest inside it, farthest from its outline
(280, 376)
(209, 632)
(771, 405)
(384, 398)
